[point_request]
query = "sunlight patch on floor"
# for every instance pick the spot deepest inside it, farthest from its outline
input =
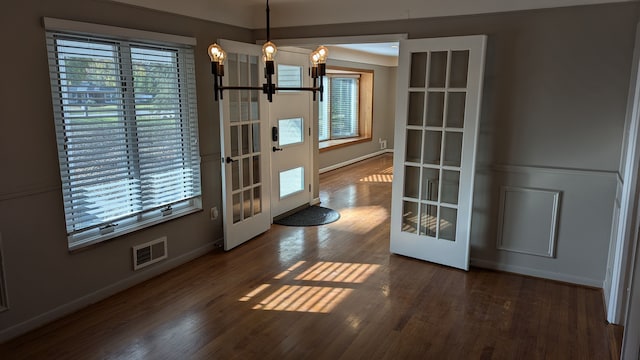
(338, 272)
(297, 289)
(361, 219)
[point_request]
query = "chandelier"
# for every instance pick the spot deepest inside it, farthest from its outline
(318, 69)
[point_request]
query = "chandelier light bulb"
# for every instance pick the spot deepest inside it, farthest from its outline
(269, 51)
(315, 58)
(216, 53)
(323, 53)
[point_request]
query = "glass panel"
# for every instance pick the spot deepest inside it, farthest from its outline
(245, 98)
(455, 109)
(435, 108)
(255, 105)
(235, 150)
(430, 180)
(245, 139)
(257, 200)
(438, 69)
(256, 169)
(235, 176)
(459, 69)
(255, 75)
(256, 137)
(289, 75)
(409, 217)
(247, 197)
(247, 204)
(236, 208)
(254, 79)
(416, 108)
(411, 182)
(243, 65)
(414, 145)
(290, 131)
(291, 181)
(450, 186)
(418, 69)
(234, 97)
(448, 223)
(452, 149)
(428, 219)
(432, 144)
(246, 176)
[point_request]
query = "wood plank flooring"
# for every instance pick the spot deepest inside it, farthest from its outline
(330, 292)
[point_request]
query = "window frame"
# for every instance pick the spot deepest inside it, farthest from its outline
(126, 40)
(365, 108)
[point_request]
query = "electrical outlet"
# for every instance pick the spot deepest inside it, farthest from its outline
(214, 213)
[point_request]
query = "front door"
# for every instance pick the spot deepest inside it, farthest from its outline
(291, 114)
(438, 103)
(245, 147)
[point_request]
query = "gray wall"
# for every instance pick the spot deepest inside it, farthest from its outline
(44, 280)
(384, 96)
(553, 112)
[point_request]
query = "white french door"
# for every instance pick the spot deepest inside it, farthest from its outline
(438, 105)
(291, 114)
(245, 147)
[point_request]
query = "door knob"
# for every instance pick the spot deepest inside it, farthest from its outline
(276, 149)
(230, 160)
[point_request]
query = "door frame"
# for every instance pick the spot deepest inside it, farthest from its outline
(299, 43)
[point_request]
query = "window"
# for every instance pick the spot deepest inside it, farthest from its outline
(338, 117)
(344, 115)
(126, 128)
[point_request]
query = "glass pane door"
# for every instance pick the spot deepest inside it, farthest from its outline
(438, 104)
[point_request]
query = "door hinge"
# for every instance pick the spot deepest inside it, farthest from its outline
(309, 131)
(309, 187)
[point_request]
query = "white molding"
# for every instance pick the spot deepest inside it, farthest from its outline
(353, 161)
(554, 220)
(486, 264)
(314, 201)
(552, 170)
(101, 294)
(129, 34)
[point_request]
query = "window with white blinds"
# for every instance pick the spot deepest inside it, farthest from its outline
(126, 128)
(338, 116)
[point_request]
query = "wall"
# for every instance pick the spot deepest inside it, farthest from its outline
(553, 112)
(384, 95)
(43, 279)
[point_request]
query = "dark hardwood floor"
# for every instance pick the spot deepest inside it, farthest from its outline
(330, 292)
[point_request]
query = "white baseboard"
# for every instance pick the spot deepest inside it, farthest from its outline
(355, 160)
(314, 201)
(101, 294)
(537, 273)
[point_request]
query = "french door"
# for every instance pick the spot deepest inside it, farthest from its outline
(245, 147)
(438, 103)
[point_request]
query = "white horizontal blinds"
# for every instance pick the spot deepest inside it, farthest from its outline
(343, 103)
(126, 128)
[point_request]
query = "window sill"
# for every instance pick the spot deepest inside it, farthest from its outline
(335, 144)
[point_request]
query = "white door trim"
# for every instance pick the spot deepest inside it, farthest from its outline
(628, 222)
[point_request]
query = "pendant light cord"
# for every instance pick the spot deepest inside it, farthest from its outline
(268, 27)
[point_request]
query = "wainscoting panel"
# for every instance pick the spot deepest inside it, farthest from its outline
(547, 222)
(527, 220)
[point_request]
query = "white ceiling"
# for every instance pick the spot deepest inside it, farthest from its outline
(251, 13)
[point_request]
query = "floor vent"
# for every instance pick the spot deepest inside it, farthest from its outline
(149, 253)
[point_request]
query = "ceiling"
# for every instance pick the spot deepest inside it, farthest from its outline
(251, 13)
